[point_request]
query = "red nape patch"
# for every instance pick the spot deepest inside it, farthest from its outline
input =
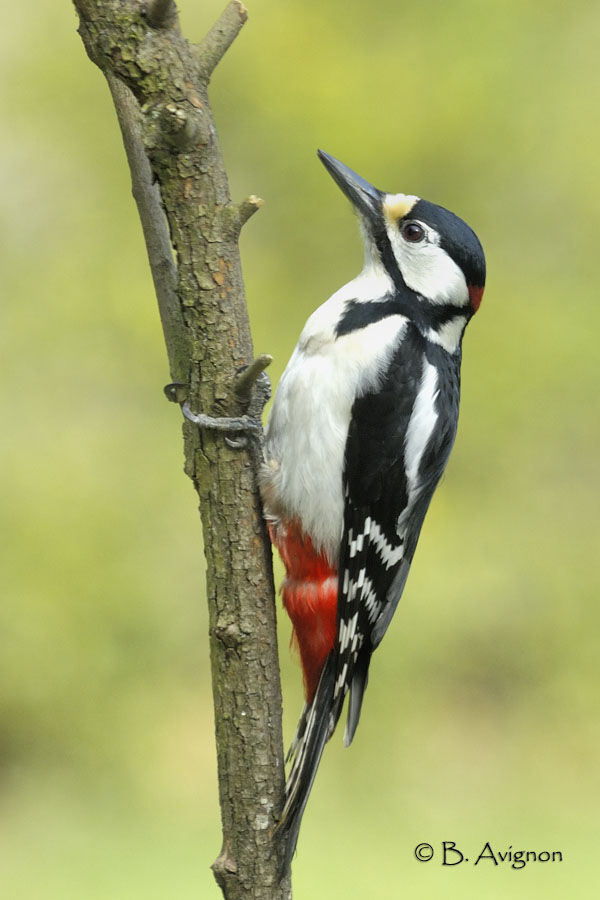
(475, 295)
(310, 598)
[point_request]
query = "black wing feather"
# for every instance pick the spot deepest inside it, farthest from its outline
(378, 507)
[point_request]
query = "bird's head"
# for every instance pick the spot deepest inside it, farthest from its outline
(422, 246)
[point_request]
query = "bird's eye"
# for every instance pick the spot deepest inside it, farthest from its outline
(413, 232)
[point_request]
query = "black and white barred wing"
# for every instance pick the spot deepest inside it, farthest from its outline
(398, 444)
(373, 569)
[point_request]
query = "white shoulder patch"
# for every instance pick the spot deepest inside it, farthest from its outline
(421, 425)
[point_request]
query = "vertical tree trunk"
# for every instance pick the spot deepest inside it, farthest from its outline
(159, 85)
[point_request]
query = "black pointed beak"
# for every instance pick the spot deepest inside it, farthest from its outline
(365, 198)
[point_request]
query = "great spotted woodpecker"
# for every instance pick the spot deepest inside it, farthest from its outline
(361, 429)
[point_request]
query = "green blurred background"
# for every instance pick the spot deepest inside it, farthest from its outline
(481, 720)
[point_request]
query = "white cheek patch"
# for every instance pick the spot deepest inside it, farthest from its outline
(427, 269)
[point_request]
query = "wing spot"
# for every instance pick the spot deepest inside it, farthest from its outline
(341, 682)
(357, 642)
(343, 636)
(389, 554)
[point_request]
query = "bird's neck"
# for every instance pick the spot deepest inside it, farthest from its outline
(441, 323)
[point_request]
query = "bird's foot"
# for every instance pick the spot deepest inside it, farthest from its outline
(251, 391)
(245, 426)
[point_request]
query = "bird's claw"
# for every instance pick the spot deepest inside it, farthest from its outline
(245, 426)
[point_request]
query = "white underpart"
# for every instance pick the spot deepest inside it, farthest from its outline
(308, 426)
(420, 426)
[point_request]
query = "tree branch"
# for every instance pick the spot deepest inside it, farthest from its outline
(191, 227)
(216, 43)
(248, 377)
(146, 194)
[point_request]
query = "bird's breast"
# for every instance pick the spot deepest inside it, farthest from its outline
(308, 427)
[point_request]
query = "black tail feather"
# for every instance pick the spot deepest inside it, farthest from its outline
(312, 735)
(300, 729)
(360, 677)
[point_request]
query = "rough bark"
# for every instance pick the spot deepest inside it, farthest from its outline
(159, 85)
